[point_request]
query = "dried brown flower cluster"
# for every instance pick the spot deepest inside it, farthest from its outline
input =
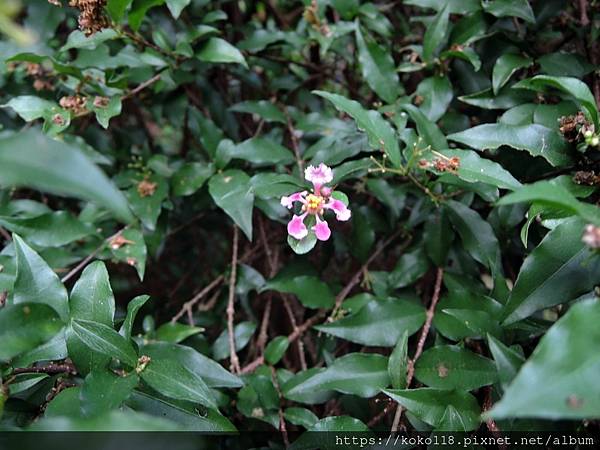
(588, 178)
(91, 16)
(74, 103)
(441, 164)
(573, 127)
(40, 75)
(146, 188)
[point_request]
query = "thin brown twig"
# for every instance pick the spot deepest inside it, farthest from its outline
(421, 344)
(294, 140)
(233, 357)
(84, 262)
(51, 368)
(282, 426)
(300, 344)
(142, 86)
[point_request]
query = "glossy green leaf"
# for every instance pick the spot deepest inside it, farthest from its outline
(175, 332)
(132, 309)
(103, 339)
(558, 381)
(380, 133)
(507, 360)
(505, 67)
(218, 50)
(451, 367)
(49, 165)
(170, 378)
(231, 191)
(558, 270)
(355, 373)
(378, 323)
(275, 350)
(264, 109)
(48, 230)
(535, 139)
(259, 151)
(378, 67)
(410, 267)
(572, 87)
(213, 374)
(430, 406)
(428, 131)
(510, 8)
(147, 205)
(103, 391)
(398, 363)
(242, 333)
(190, 177)
(310, 290)
(25, 326)
(36, 282)
(435, 33)
(437, 94)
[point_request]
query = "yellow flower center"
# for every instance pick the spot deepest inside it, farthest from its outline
(314, 203)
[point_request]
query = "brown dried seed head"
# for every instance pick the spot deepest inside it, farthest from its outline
(146, 188)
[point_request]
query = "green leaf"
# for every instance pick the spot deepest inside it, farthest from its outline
(535, 139)
(264, 109)
(276, 349)
(378, 323)
(505, 67)
(430, 406)
(147, 205)
(378, 68)
(475, 169)
(32, 159)
(437, 95)
(410, 267)
(379, 131)
(259, 151)
(454, 6)
(103, 339)
(428, 130)
(558, 270)
(559, 380)
(553, 194)
(358, 374)
(36, 282)
(176, 6)
(398, 363)
(213, 374)
(52, 350)
(92, 297)
(139, 10)
(133, 251)
(507, 360)
(300, 416)
(218, 50)
(477, 235)
(571, 87)
(506, 98)
(25, 326)
(175, 332)
(304, 245)
(29, 107)
(242, 333)
(190, 177)
(310, 290)
(452, 367)
(132, 309)
(232, 192)
(53, 229)
(170, 378)
(435, 33)
(510, 8)
(78, 39)
(117, 8)
(103, 391)
(105, 113)
(438, 237)
(185, 414)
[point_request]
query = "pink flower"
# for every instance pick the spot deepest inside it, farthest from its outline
(315, 204)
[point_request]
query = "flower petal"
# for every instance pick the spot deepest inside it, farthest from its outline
(296, 227)
(288, 200)
(318, 175)
(342, 213)
(322, 230)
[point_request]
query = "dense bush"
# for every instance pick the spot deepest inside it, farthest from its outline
(285, 215)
